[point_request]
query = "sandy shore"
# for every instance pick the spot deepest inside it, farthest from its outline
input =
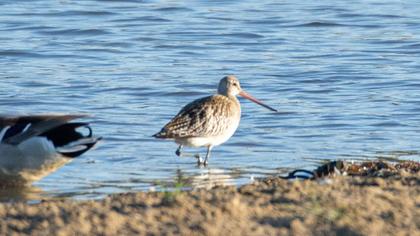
(364, 204)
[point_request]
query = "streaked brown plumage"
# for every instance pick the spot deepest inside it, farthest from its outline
(203, 117)
(208, 121)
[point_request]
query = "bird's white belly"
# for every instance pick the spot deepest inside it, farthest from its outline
(28, 161)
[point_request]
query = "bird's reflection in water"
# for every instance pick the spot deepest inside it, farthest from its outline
(211, 178)
(207, 178)
(28, 194)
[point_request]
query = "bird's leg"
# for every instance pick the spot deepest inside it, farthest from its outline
(208, 154)
(179, 153)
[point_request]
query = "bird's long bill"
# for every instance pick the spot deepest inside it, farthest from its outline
(251, 98)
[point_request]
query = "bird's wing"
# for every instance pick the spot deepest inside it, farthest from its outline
(199, 118)
(14, 130)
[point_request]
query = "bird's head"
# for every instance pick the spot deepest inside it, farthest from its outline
(229, 86)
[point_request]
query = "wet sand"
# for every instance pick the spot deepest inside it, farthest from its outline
(372, 199)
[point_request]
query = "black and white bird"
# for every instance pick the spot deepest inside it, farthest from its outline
(33, 146)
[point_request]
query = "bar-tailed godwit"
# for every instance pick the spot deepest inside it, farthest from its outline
(33, 146)
(208, 121)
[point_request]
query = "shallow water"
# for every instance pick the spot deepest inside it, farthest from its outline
(345, 77)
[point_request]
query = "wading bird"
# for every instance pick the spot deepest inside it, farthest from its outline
(208, 121)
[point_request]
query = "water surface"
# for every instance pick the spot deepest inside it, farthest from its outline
(345, 76)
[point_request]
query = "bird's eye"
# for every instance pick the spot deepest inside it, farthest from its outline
(235, 84)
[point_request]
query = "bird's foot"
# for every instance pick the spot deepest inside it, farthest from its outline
(179, 153)
(200, 161)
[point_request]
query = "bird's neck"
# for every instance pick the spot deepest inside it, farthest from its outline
(224, 93)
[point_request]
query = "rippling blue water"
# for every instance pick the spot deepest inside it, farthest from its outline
(345, 76)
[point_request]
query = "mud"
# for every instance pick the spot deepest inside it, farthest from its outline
(364, 199)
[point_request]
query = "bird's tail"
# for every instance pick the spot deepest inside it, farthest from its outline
(69, 141)
(77, 148)
(161, 134)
